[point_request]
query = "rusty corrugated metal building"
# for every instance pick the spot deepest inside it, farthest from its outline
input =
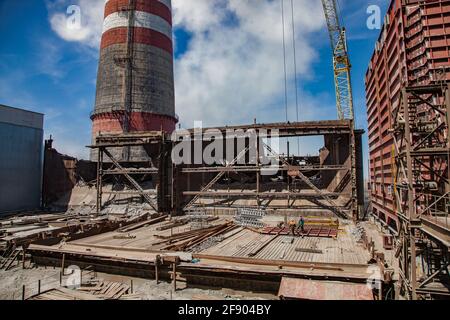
(413, 49)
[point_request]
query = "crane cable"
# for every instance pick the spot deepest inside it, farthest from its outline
(295, 72)
(295, 61)
(340, 16)
(285, 66)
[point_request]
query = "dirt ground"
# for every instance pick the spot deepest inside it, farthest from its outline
(12, 281)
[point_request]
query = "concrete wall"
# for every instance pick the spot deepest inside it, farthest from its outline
(21, 137)
(61, 174)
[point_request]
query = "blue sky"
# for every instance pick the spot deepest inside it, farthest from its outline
(41, 70)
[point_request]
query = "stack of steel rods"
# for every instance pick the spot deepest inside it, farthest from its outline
(186, 240)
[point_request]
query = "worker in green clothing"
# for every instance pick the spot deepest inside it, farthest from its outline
(301, 224)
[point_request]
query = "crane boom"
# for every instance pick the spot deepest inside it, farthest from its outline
(341, 61)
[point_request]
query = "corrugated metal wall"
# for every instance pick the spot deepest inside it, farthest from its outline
(21, 137)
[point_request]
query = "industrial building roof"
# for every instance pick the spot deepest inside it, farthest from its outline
(21, 117)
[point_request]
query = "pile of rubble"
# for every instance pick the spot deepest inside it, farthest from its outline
(359, 233)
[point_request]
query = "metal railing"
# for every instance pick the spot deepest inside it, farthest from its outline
(437, 210)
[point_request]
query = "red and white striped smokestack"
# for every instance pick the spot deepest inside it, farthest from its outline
(135, 82)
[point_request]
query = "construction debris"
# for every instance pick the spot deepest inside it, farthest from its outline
(17, 232)
(186, 241)
(103, 290)
(107, 290)
(9, 258)
(359, 233)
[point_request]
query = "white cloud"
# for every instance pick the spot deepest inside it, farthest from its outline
(90, 29)
(234, 72)
(198, 15)
(233, 69)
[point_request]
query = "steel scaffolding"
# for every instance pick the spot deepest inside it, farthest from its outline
(317, 197)
(422, 190)
(106, 143)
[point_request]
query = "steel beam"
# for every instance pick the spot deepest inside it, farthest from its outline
(264, 168)
(251, 194)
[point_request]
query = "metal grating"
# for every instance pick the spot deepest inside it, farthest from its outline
(250, 218)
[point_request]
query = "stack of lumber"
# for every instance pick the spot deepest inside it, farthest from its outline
(8, 261)
(103, 290)
(187, 240)
(107, 290)
(60, 294)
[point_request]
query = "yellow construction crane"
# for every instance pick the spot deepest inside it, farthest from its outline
(341, 61)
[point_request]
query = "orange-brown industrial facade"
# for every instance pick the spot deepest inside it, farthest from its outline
(413, 49)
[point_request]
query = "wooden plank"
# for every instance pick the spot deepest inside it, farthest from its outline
(115, 287)
(112, 289)
(118, 290)
(105, 287)
(121, 292)
(12, 259)
(97, 287)
(78, 295)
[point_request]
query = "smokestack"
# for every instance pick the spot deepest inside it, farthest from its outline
(135, 82)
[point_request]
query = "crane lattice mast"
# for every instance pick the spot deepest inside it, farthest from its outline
(341, 61)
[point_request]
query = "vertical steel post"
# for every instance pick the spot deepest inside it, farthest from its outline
(23, 258)
(62, 263)
(258, 172)
(447, 103)
(99, 166)
(157, 269)
(411, 194)
(287, 176)
(174, 275)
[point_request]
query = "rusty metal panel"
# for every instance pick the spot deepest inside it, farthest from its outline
(411, 51)
(303, 289)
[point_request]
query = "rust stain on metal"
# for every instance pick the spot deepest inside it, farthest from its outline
(304, 289)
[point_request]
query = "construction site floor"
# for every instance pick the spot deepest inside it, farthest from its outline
(12, 281)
